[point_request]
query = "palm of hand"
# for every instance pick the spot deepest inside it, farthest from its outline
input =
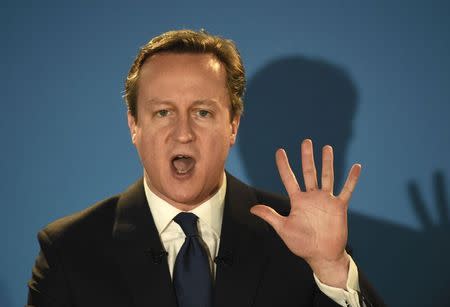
(316, 228)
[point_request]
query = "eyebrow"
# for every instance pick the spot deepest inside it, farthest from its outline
(157, 101)
(210, 102)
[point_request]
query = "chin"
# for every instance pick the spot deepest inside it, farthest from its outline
(188, 198)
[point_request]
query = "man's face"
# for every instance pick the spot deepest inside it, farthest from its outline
(183, 132)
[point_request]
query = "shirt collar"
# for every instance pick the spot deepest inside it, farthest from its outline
(210, 212)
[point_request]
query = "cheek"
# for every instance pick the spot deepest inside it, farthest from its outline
(218, 146)
(148, 144)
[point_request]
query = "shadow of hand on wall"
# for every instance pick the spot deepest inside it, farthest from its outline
(433, 242)
(295, 97)
(411, 267)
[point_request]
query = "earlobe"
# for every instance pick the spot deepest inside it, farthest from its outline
(132, 127)
(234, 129)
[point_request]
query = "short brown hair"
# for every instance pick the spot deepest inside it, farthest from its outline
(189, 41)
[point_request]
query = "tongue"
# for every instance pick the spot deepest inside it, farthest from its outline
(183, 165)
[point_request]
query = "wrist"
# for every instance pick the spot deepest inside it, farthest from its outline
(333, 273)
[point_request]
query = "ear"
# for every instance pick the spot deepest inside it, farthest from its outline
(132, 126)
(234, 129)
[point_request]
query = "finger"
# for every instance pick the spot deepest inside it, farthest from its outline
(308, 166)
(327, 169)
(350, 183)
(269, 215)
(287, 175)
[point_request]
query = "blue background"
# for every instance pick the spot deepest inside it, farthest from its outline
(370, 79)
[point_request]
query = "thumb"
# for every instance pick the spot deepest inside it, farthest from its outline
(268, 214)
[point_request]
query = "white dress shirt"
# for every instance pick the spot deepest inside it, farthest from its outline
(210, 215)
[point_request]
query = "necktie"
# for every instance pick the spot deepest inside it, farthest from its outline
(192, 275)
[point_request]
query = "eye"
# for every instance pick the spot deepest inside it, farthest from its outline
(162, 113)
(204, 113)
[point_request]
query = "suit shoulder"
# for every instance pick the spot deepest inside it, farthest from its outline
(278, 202)
(96, 220)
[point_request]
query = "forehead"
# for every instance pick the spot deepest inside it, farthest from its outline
(166, 62)
(183, 76)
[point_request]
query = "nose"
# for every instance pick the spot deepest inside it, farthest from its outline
(183, 130)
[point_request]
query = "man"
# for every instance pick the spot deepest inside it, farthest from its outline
(188, 233)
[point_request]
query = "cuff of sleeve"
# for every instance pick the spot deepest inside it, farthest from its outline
(343, 297)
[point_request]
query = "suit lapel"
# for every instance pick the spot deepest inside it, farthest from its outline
(241, 260)
(139, 252)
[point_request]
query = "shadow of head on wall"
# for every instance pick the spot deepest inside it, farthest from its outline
(291, 99)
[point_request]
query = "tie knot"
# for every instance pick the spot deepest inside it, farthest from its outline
(187, 222)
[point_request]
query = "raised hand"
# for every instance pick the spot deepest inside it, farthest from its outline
(316, 228)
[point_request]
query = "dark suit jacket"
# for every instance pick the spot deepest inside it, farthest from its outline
(110, 255)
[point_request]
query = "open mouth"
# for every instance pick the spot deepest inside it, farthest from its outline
(183, 164)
